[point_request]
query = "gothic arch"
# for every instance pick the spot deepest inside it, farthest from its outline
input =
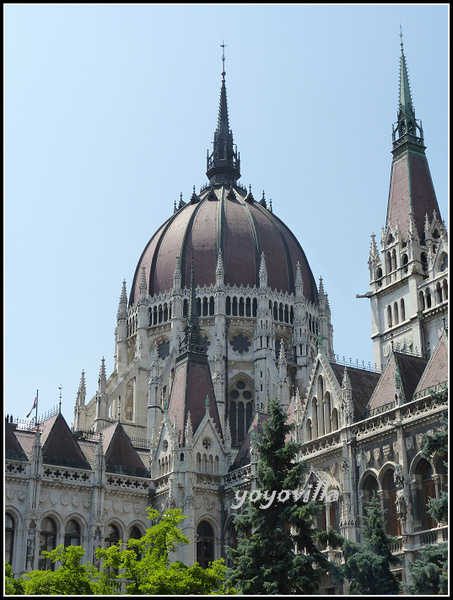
(383, 471)
(118, 524)
(369, 472)
(81, 521)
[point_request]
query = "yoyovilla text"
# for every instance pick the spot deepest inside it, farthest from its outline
(321, 493)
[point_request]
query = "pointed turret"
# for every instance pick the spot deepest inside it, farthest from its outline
(122, 306)
(193, 342)
(223, 165)
(411, 187)
(82, 391)
(102, 377)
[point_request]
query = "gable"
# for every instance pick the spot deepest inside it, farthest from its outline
(121, 457)
(13, 449)
(363, 384)
(436, 371)
(59, 446)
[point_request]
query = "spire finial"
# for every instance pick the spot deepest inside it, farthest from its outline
(223, 46)
(401, 37)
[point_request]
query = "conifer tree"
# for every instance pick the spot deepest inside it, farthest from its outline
(367, 565)
(277, 552)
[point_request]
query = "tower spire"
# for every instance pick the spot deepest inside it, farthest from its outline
(405, 129)
(223, 165)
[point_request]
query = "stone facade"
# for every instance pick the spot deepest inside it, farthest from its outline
(196, 361)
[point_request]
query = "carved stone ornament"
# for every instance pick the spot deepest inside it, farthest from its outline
(410, 442)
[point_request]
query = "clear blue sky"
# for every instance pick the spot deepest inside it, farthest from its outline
(109, 111)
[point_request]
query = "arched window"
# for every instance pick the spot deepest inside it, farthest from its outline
(205, 544)
(334, 419)
(389, 262)
(72, 534)
(395, 312)
(112, 536)
(48, 542)
(321, 406)
(403, 310)
(394, 263)
(421, 301)
(405, 262)
(241, 411)
(438, 293)
(392, 523)
(254, 307)
(389, 316)
(370, 489)
(10, 527)
(314, 415)
(429, 491)
(135, 534)
(235, 306)
(424, 260)
(241, 307)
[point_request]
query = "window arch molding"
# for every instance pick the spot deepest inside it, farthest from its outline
(109, 536)
(365, 475)
(73, 531)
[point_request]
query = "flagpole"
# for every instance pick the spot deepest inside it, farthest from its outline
(36, 417)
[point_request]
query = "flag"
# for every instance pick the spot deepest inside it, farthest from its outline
(35, 404)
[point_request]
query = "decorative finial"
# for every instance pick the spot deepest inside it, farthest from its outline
(401, 37)
(223, 45)
(59, 405)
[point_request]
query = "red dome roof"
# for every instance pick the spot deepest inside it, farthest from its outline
(224, 218)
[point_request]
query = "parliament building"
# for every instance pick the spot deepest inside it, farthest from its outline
(222, 313)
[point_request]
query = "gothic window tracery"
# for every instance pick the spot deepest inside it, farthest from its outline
(240, 343)
(240, 411)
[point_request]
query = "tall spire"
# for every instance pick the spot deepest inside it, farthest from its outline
(223, 165)
(405, 129)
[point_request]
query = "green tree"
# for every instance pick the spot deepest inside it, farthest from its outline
(429, 573)
(12, 586)
(71, 578)
(142, 566)
(368, 565)
(145, 563)
(277, 551)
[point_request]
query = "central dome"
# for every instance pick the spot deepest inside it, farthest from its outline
(224, 219)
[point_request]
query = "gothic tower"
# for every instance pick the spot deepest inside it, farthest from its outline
(408, 277)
